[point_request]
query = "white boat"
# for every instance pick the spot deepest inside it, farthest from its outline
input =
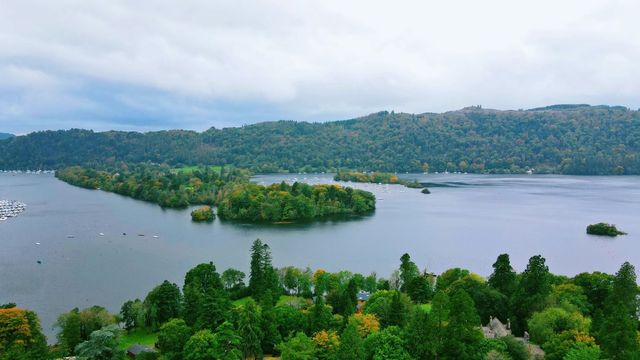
(101, 234)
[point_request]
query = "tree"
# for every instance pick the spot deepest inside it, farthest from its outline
(271, 336)
(408, 271)
(172, 337)
(397, 311)
(503, 277)
(298, 347)
(544, 325)
(249, 330)
(132, 314)
(319, 316)
(201, 288)
(530, 295)
(70, 334)
(326, 343)
(201, 346)
(214, 309)
(597, 286)
(380, 304)
(227, 343)
(76, 326)
(386, 345)
(233, 279)
(21, 337)
(617, 334)
(263, 276)
(351, 344)
(102, 345)
(463, 335)
(162, 303)
(449, 277)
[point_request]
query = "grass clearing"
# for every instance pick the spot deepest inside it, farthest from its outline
(142, 337)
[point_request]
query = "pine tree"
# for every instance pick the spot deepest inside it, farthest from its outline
(531, 292)
(397, 311)
(249, 321)
(408, 271)
(257, 277)
(271, 336)
(617, 333)
(463, 331)
(503, 277)
(436, 326)
(351, 344)
(417, 335)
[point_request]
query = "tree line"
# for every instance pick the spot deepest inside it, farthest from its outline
(304, 314)
(569, 139)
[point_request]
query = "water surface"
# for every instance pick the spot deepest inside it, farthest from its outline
(466, 225)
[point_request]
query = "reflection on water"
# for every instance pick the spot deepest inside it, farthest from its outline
(466, 221)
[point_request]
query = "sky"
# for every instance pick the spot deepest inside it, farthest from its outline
(193, 64)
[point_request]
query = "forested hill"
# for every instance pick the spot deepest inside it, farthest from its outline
(569, 139)
(5, 135)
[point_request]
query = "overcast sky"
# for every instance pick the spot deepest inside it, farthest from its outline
(152, 64)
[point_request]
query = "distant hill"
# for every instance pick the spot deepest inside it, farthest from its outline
(5, 135)
(567, 139)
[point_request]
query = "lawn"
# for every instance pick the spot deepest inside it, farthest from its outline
(142, 337)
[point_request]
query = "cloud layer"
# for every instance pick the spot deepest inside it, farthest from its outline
(194, 64)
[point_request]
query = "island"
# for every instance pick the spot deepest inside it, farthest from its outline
(604, 229)
(285, 203)
(376, 178)
(226, 187)
(203, 214)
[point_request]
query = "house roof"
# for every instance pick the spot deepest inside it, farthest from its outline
(136, 349)
(363, 296)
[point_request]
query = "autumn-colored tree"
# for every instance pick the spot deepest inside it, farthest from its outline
(21, 337)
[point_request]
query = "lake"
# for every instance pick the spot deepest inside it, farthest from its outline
(466, 223)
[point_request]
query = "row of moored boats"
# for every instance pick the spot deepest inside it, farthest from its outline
(11, 208)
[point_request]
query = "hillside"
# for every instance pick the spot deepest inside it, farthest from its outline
(569, 139)
(5, 135)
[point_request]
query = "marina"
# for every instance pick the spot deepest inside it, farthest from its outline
(10, 208)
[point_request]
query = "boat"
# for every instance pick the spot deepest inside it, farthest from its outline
(101, 234)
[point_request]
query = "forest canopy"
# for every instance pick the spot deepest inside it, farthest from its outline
(586, 140)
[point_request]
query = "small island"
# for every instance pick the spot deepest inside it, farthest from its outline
(376, 178)
(425, 191)
(604, 229)
(203, 214)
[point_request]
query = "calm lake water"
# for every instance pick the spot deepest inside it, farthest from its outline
(465, 225)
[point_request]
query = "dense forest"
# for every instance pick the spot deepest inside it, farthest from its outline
(284, 202)
(156, 183)
(227, 187)
(300, 314)
(5, 135)
(567, 139)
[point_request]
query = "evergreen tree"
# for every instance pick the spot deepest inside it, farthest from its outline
(249, 330)
(351, 344)
(530, 295)
(227, 343)
(417, 335)
(319, 316)
(408, 271)
(397, 311)
(257, 279)
(503, 277)
(214, 309)
(200, 285)
(271, 336)
(463, 335)
(162, 303)
(350, 298)
(617, 333)
(436, 326)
